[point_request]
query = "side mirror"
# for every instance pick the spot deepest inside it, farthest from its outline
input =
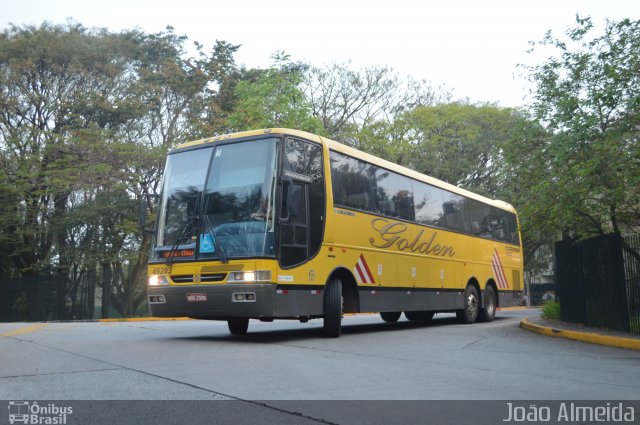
(143, 208)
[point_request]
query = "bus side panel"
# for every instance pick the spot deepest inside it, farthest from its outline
(501, 263)
(461, 262)
(482, 269)
(296, 301)
(300, 289)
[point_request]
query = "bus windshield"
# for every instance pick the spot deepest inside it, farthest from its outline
(219, 202)
(239, 201)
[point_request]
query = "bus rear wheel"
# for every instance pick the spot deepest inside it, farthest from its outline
(488, 312)
(333, 309)
(469, 313)
(238, 326)
(390, 316)
(419, 316)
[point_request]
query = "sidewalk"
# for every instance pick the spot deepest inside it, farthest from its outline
(582, 333)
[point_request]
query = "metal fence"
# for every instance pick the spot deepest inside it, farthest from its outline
(53, 296)
(631, 255)
(598, 281)
(33, 298)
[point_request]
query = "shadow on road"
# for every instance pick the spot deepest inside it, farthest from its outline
(264, 334)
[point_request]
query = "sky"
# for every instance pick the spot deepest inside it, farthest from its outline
(472, 47)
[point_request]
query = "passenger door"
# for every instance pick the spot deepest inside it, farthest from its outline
(302, 202)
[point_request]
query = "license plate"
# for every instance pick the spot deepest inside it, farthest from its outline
(196, 298)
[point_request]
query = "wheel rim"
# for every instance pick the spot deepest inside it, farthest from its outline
(491, 304)
(472, 305)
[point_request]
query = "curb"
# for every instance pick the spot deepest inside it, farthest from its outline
(515, 308)
(590, 337)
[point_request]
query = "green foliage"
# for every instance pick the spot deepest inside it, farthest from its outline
(461, 143)
(56, 91)
(274, 99)
(87, 117)
(551, 310)
(588, 98)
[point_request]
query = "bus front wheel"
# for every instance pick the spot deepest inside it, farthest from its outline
(238, 326)
(469, 313)
(333, 309)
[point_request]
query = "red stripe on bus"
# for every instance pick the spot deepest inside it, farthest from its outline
(360, 273)
(366, 266)
(499, 271)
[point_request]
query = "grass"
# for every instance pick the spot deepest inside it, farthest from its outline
(551, 310)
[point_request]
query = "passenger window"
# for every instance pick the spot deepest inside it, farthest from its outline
(428, 204)
(498, 224)
(353, 183)
(303, 160)
(512, 222)
(363, 186)
(477, 213)
(394, 194)
(453, 206)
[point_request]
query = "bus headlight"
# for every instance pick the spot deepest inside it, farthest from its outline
(250, 276)
(158, 280)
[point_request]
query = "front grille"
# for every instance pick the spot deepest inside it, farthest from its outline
(203, 278)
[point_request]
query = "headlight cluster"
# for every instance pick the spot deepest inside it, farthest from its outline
(250, 276)
(158, 280)
(233, 277)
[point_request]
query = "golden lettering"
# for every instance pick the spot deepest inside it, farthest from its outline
(391, 234)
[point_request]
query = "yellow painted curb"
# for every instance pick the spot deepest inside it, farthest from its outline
(521, 307)
(25, 330)
(143, 319)
(612, 341)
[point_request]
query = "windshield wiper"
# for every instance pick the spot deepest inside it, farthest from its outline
(216, 243)
(190, 224)
(172, 252)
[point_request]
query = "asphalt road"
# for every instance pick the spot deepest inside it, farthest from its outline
(373, 360)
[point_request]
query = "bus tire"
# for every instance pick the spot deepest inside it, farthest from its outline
(333, 309)
(238, 326)
(488, 312)
(390, 316)
(471, 308)
(419, 316)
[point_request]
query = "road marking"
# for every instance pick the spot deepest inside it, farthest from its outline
(142, 319)
(27, 329)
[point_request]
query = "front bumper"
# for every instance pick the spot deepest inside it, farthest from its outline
(221, 301)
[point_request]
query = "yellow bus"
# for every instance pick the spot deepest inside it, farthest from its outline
(283, 224)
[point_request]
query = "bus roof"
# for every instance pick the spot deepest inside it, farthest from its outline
(342, 148)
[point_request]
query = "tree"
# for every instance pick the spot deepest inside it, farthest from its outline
(349, 101)
(56, 94)
(86, 118)
(461, 143)
(522, 170)
(588, 98)
(220, 102)
(274, 99)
